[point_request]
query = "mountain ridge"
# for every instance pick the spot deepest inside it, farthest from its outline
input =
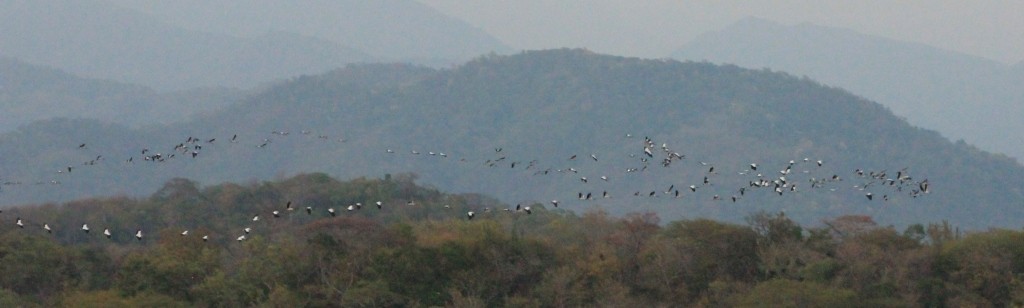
(97, 39)
(30, 92)
(394, 30)
(961, 96)
(508, 125)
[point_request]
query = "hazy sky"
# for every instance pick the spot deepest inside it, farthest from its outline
(654, 28)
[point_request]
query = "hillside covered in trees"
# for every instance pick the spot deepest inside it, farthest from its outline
(551, 125)
(419, 248)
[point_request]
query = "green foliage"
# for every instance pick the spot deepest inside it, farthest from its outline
(789, 293)
(426, 254)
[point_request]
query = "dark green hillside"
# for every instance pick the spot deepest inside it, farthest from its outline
(541, 108)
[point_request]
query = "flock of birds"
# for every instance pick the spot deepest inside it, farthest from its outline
(792, 177)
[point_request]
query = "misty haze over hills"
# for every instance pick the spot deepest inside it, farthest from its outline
(30, 93)
(93, 38)
(961, 96)
(391, 30)
(118, 69)
(377, 153)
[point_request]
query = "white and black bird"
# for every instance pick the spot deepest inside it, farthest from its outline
(47, 228)
(554, 203)
(276, 214)
(331, 211)
(106, 232)
(470, 214)
(247, 230)
(380, 205)
(256, 218)
(138, 234)
(85, 227)
(19, 223)
(184, 233)
(241, 238)
(206, 238)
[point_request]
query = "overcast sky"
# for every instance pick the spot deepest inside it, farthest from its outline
(654, 28)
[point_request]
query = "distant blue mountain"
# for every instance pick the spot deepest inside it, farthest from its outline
(30, 93)
(391, 30)
(961, 96)
(93, 38)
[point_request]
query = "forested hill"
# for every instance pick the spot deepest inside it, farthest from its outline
(554, 125)
(311, 240)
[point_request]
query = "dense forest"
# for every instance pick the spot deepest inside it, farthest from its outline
(540, 109)
(421, 247)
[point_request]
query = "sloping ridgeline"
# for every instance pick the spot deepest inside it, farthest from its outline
(538, 109)
(31, 93)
